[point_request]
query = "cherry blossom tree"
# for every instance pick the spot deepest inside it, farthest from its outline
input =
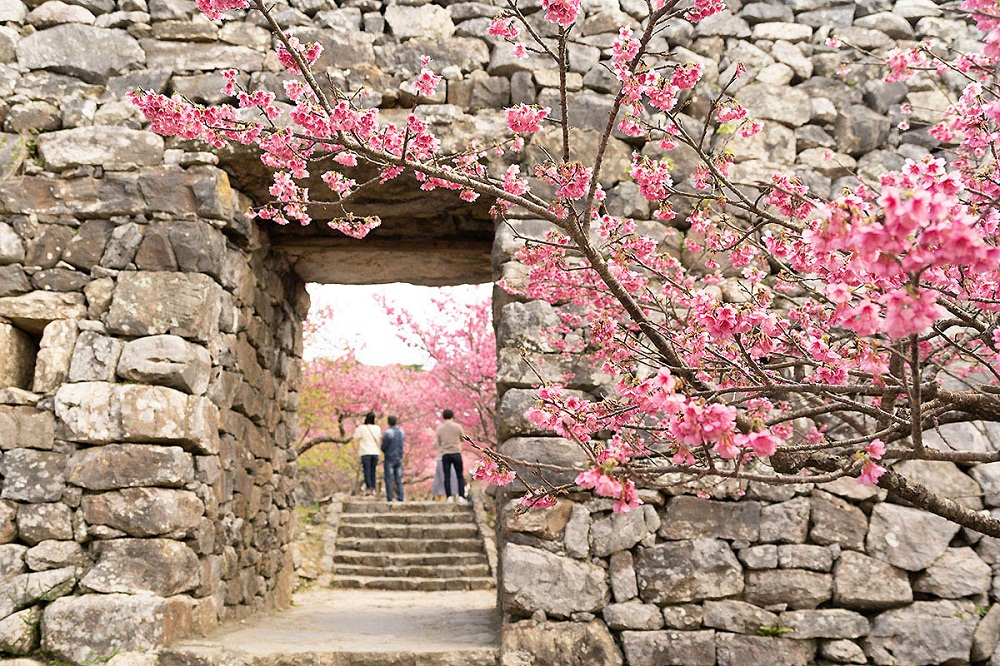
(859, 324)
(336, 393)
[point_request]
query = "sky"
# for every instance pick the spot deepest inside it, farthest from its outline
(360, 323)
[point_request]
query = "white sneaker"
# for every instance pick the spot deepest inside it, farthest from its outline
(450, 500)
(462, 500)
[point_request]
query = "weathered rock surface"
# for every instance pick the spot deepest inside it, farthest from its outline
(33, 476)
(100, 413)
(130, 466)
(537, 580)
(19, 632)
(95, 627)
(153, 303)
(795, 587)
(68, 49)
(835, 521)
(651, 648)
(616, 532)
(738, 617)
(572, 643)
(959, 572)
(908, 538)
(827, 623)
(926, 632)
(168, 360)
(633, 615)
(114, 148)
(852, 583)
(163, 567)
(737, 650)
(144, 512)
(691, 570)
(691, 517)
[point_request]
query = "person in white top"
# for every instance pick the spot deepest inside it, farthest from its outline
(368, 438)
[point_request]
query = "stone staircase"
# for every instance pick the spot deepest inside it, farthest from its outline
(411, 546)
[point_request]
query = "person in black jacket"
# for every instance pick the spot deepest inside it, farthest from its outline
(392, 449)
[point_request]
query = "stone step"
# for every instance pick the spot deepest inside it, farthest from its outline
(218, 657)
(409, 518)
(379, 531)
(412, 584)
(415, 571)
(410, 545)
(378, 506)
(408, 559)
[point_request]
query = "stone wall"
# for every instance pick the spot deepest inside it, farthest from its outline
(149, 342)
(145, 471)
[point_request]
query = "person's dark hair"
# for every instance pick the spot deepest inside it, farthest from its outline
(447, 414)
(392, 421)
(370, 418)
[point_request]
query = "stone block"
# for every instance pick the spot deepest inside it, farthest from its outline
(795, 587)
(27, 589)
(153, 303)
(738, 617)
(426, 21)
(788, 106)
(19, 632)
(925, 632)
(54, 555)
(682, 571)
(130, 466)
(163, 567)
(852, 583)
(33, 311)
(691, 517)
(621, 570)
(11, 245)
(827, 623)
(12, 559)
(144, 512)
(547, 523)
(987, 635)
(685, 616)
(68, 49)
(95, 627)
(8, 523)
(908, 538)
(805, 556)
(633, 615)
(835, 521)
(114, 148)
(759, 557)
(785, 522)
(860, 130)
(115, 194)
(654, 648)
(40, 522)
(55, 354)
(547, 450)
(86, 248)
(179, 56)
(842, 651)
(26, 427)
(737, 650)
(100, 413)
(95, 358)
(532, 643)
(536, 580)
(959, 572)
(617, 532)
(33, 476)
(13, 281)
(167, 360)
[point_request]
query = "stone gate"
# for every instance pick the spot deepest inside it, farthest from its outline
(150, 339)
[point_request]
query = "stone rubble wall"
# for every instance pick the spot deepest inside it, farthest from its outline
(145, 430)
(149, 345)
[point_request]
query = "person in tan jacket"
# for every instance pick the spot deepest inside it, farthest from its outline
(448, 442)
